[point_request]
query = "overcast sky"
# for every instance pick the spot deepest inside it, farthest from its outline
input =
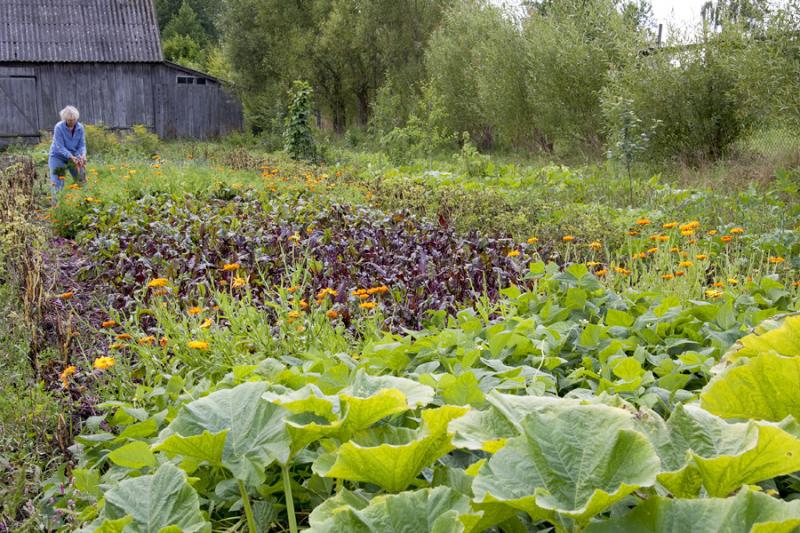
(684, 14)
(681, 12)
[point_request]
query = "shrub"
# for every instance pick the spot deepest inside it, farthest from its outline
(297, 135)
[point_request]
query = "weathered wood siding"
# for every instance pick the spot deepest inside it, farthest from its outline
(118, 95)
(194, 111)
(19, 116)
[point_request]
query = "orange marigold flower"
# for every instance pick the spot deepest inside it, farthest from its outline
(701, 257)
(104, 363)
(532, 240)
(123, 337)
(567, 238)
(680, 273)
(686, 264)
(368, 305)
(332, 314)
(324, 292)
(675, 250)
(66, 295)
(74, 187)
(198, 345)
(652, 250)
(231, 267)
(644, 222)
(238, 282)
(66, 374)
(712, 232)
(601, 273)
(633, 233)
(726, 238)
(595, 245)
(736, 231)
(378, 290)
(640, 255)
(694, 224)
(194, 311)
(718, 284)
(776, 260)
(796, 284)
(667, 276)
(163, 342)
(622, 270)
(669, 225)
(109, 324)
(687, 232)
(147, 340)
(292, 289)
(158, 282)
(303, 304)
(294, 314)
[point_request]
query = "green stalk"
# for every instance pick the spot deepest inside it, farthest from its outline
(248, 511)
(287, 490)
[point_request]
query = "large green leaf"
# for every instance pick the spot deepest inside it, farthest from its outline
(747, 511)
(155, 502)
(766, 387)
(699, 449)
(364, 386)
(135, 454)
(438, 510)
(783, 340)
(482, 430)
(395, 464)
(195, 450)
(257, 434)
(359, 408)
(569, 463)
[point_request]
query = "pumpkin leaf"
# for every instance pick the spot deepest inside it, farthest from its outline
(766, 387)
(157, 501)
(256, 432)
(440, 510)
(747, 511)
(395, 464)
(569, 463)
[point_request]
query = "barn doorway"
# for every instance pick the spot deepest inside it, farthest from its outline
(19, 109)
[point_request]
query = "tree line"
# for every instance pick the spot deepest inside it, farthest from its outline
(540, 76)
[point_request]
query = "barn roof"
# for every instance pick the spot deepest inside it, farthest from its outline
(106, 31)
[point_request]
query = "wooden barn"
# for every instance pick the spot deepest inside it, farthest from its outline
(104, 57)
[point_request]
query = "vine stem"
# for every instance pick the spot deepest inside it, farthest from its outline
(287, 490)
(248, 511)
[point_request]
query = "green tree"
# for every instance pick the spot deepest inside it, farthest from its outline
(347, 49)
(206, 12)
(185, 23)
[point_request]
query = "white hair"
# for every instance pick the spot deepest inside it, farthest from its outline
(69, 112)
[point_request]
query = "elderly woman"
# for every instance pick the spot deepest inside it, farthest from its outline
(68, 151)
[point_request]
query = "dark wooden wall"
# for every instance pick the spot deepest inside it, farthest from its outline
(118, 95)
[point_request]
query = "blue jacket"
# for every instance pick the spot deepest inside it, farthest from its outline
(65, 144)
